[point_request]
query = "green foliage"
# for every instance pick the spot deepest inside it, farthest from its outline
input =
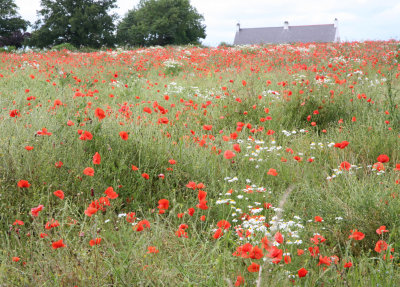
(79, 22)
(172, 68)
(11, 24)
(8, 49)
(300, 110)
(64, 46)
(224, 44)
(161, 22)
(360, 198)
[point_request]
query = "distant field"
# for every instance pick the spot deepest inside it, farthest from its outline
(186, 166)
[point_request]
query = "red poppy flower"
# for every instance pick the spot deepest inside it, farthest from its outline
(58, 164)
(145, 175)
(276, 254)
(318, 219)
(342, 145)
(229, 154)
(124, 135)
(302, 272)
(378, 166)
(381, 230)
(59, 194)
(356, 235)
(324, 260)
(223, 224)
(191, 185)
(130, 217)
(43, 235)
(233, 136)
(272, 172)
(147, 110)
(239, 281)
(18, 222)
(380, 246)
(152, 249)
(111, 193)
(191, 211)
(254, 267)
(43, 132)
(236, 147)
(202, 205)
(141, 225)
(270, 132)
(95, 241)
(51, 224)
(297, 158)
(23, 184)
(90, 211)
(200, 186)
(218, 233)
(383, 158)
(96, 158)
(256, 253)
(201, 195)
(163, 121)
(317, 239)
(14, 113)
(313, 251)
(35, 210)
(181, 233)
(265, 243)
(163, 204)
(99, 113)
(58, 244)
(287, 259)
(278, 237)
(29, 147)
(348, 264)
(88, 171)
(86, 136)
(345, 165)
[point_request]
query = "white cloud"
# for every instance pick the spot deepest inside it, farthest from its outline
(27, 9)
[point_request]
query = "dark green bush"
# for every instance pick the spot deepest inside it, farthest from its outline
(64, 46)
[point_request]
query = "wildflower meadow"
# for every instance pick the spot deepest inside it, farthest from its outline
(275, 165)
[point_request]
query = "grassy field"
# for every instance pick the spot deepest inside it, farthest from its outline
(187, 166)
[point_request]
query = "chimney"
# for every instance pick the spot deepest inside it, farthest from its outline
(336, 26)
(238, 27)
(286, 25)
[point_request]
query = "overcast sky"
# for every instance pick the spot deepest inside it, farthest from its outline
(359, 20)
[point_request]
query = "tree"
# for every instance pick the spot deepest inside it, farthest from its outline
(78, 22)
(161, 22)
(12, 26)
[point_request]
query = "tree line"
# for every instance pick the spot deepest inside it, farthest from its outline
(91, 23)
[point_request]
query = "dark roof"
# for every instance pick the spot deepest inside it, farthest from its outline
(279, 35)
